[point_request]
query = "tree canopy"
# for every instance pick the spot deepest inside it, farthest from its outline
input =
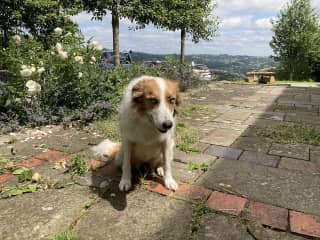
(296, 39)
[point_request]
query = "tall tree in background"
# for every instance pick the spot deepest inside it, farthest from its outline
(118, 9)
(192, 17)
(293, 43)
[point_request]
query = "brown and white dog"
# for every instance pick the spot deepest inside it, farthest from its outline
(147, 123)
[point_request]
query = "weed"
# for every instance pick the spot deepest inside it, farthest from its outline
(24, 174)
(186, 137)
(15, 191)
(65, 236)
(79, 165)
(199, 210)
(291, 133)
(195, 166)
(108, 127)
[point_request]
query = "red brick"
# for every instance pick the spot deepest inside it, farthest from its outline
(31, 163)
(5, 177)
(95, 164)
(227, 203)
(192, 193)
(157, 187)
(305, 224)
(49, 155)
(272, 216)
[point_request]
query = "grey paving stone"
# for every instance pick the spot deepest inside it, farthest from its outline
(315, 155)
(252, 144)
(181, 172)
(145, 216)
(298, 165)
(222, 137)
(220, 227)
(279, 187)
(193, 157)
(298, 151)
(259, 158)
(225, 152)
(41, 215)
(259, 232)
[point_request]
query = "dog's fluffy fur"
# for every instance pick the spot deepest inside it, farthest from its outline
(147, 122)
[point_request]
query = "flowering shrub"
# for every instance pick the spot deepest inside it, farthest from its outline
(41, 86)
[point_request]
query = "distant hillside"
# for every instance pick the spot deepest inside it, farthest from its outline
(226, 67)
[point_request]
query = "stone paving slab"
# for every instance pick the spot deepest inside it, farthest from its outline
(259, 158)
(278, 187)
(298, 151)
(298, 165)
(222, 137)
(225, 152)
(252, 144)
(198, 158)
(41, 215)
(146, 216)
(220, 227)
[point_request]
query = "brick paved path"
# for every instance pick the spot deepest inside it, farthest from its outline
(256, 187)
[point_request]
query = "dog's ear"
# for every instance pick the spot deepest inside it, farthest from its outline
(137, 92)
(178, 97)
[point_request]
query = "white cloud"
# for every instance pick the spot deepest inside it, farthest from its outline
(236, 22)
(264, 23)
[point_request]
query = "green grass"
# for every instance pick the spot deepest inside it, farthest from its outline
(65, 236)
(291, 133)
(108, 127)
(79, 165)
(196, 166)
(281, 108)
(195, 109)
(186, 137)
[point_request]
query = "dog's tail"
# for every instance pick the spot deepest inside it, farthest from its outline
(106, 150)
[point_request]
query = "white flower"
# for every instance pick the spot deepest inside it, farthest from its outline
(95, 45)
(59, 47)
(33, 69)
(93, 59)
(41, 63)
(63, 54)
(79, 59)
(58, 31)
(99, 47)
(26, 72)
(68, 34)
(33, 87)
(40, 70)
(80, 74)
(23, 67)
(16, 38)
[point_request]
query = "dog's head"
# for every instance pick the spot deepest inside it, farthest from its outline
(157, 99)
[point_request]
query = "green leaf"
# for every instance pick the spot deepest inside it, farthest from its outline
(20, 171)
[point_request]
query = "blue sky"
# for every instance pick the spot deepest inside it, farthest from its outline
(245, 29)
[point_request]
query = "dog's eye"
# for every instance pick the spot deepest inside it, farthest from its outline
(172, 100)
(154, 100)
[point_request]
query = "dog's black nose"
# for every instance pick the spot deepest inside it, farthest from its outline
(167, 124)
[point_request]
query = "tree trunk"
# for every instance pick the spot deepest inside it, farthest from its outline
(183, 44)
(115, 32)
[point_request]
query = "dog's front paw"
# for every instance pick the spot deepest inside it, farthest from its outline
(171, 184)
(160, 171)
(125, 185)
